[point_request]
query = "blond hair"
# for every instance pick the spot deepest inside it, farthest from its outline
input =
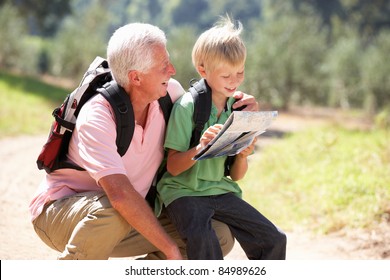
(219, 45)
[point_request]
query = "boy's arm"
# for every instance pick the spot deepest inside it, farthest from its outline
(240, 165)
(178, 162)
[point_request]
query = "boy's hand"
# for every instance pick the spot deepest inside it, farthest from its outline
(210, 134)
(248, 150)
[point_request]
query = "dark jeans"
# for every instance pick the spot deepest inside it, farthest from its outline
(258, 237)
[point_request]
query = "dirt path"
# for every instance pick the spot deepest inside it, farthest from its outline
(19, 178)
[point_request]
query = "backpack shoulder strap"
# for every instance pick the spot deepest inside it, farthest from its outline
(166, 105)
(124, 114)
(201, 93)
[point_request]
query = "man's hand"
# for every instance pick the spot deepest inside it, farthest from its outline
(174, 255)
(247, 100)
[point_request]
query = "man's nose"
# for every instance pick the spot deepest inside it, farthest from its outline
(172, 69)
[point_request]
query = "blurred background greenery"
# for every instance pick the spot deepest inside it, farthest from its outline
(321, 52)
(301, 53)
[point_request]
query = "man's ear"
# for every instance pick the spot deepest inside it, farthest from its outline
(201, 71)
(134, 77)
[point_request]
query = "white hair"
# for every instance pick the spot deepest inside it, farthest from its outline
(131, 48)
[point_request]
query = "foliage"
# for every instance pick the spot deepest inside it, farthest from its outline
(79, 41)
(284, 62)
(44, 16)
(145, 11)
(375, 81)
(180, 43)
(12, 32)
(343, 70)
(193, 11)
(323, 179)
(328, 53)
(369, 17)
(382, 119)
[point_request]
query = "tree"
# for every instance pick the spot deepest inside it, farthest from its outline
(342, 65)
(284, 63)
(180, 43)
(12, 31)
(375, 71)
(141, 10)
(82, 37)
(370, 16)
(191, 12)
(44, 16)
(244, 11)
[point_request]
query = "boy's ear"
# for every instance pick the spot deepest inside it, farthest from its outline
(201, 71)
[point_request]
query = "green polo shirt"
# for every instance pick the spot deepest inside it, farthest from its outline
(206, 177)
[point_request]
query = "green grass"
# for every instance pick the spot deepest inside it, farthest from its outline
(323, 179)
(27, 104)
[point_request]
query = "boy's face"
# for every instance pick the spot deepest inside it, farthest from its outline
(225, 79)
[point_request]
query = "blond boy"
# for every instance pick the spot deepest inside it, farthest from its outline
(194, 192)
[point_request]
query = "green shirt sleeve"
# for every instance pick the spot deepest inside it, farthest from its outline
(180, 125)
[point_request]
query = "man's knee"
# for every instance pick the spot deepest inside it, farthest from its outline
(225, 237)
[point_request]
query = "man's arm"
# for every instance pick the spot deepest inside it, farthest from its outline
(135, 210)
(247, 100)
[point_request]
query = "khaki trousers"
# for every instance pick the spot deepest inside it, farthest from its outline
(85, 226)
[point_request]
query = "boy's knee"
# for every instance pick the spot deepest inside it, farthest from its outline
(281, 238)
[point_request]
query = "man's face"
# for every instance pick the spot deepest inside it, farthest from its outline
(155, 81)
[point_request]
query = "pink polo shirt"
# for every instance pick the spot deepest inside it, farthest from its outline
(93, 147)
